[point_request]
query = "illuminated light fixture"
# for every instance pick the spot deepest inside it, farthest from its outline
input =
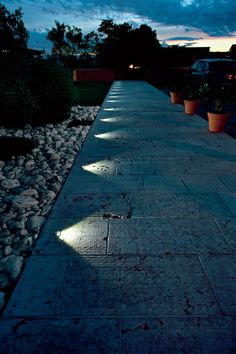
(109, 100)
(107, 136)
(131, 66)
(111, 120)
(75, 235)
(99, 168)
(69, 235)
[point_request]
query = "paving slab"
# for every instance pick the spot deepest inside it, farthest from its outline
(70, 235)
(60, 336)
(140, 204)
(230, 181)
(77, 204)
(97, 183)
(166, 204)
(211, 166)
(113, 286)
(178, 335)
(221, 272)
(167, 236)
(139, 252)
(204, 183)
(152, 166)
(229, 200)
(163, 183)
(228, 227)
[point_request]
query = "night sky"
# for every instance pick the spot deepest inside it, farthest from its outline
(189, 22)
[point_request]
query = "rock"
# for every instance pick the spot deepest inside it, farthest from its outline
(7, 240)
(58, 144)
(4, 281)
(50, 126)
(31, 181)
(34, 223)
(23, 232)
(10, 183)
(24, 245)
(15, 225)
(30, 163)
(23, 202)
(30, 193)
(7, 250)
(2, 164)
(20, 160)
(2, 177)
(12, 266)
(48, 196)
(28, 127)
(19, 133)
(46, 209)
(2, 299)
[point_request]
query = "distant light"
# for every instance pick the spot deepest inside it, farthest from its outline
(134, 67)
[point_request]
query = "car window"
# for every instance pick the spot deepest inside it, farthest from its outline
(201, 66)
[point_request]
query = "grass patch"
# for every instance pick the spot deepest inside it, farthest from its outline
(90, 93)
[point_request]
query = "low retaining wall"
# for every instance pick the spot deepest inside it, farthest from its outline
(97, 74)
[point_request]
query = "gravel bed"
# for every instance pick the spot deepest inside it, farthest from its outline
(29, 185)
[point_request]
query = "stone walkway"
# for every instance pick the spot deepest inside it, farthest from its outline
(139, 252)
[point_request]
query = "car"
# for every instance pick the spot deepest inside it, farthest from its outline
(214, 72)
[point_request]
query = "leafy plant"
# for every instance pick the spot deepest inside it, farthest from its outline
(192, 91)
(216, 97)
(52, 86)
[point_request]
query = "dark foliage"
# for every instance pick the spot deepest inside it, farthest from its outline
(52, 87)
(123, 45)
(13, 34)
(17, 103)
(12, 146)
(33, 91)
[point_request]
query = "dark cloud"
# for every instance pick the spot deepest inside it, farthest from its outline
(183, 39)
(214, 17)
(190, 44)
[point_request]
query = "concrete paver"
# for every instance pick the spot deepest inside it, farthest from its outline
(139, 252)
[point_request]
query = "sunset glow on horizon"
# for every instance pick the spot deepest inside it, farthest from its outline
(216, 44)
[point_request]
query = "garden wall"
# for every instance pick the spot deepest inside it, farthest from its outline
(95, 74)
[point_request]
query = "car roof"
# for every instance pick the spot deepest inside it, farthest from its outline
(217, 60)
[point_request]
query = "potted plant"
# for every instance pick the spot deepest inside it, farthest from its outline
(217, 114)
(217, 117)
(176, 93)
(192, 95)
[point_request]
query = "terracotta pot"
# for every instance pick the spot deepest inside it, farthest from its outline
(216, 121)
(191, 107)
(175, 97)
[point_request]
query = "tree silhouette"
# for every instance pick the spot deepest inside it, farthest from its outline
(70, 40)
(13, 34)
(123, 44)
